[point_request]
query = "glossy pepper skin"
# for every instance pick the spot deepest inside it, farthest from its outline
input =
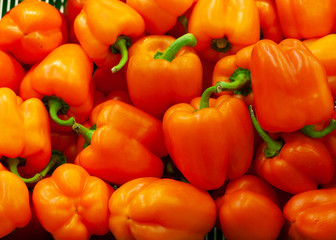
(160, 15)
(127, 144)
(15, 209)
(212, 21)
(311, 215)
(71, 10)
(155, 84)
(306, 19)
(72, 203)
(67, 74)
(153, 208)
(97, 35)
(289, 82)
(214, 141)
(31, 30)
(249, 209)
(27, 122)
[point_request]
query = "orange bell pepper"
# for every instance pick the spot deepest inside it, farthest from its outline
(209, 141)
(63, 80)
(106, 28)
(290, 88)
(31, 30)
(71, 9)
(306, 19)
(127, 144)
(25, 131)
(249, 209)
(153, 208)
(11, 72)
(160, 15)
(163, 71)
(72, 204)
(15, 209)
(223, 27)
(311, 215)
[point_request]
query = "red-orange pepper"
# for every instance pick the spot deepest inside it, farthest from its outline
(223, 27)
(71, 9)
(209, 139)
(311, 215)
(126, 144)
(25, 131)
(163, 71)
(71, 203)
(249, 209)
(66, 142)
(63, 80)
(31, 30)
(106, 28)
(306, 19)
(167, 209)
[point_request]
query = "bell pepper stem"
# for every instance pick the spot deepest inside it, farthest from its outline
(311, 132)
(184, 21)
(57, 158)
(221, 44)
(169, 54)
(84, 132)
(273, 147)
(120, 46)
(57, 105)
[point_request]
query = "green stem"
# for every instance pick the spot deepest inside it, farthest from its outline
(187, 39)
(221, 44)
(120, 46)
(184, 21)
(273, 147)
(56, 105)
(57, 158)
(85, 132)
(311, 132)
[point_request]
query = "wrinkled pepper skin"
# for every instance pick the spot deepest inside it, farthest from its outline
(127, 144)
(97, 36)
(216, 141)
(167, 209)
(301, 165)
(15, 209)
(66, 73)
(249, 210)
(238, 21)
(311, 215)
(287, 81)
(160, 15)
(72, 203)
(31, 30)
(156, 84)
(28, 123)
(304, 19)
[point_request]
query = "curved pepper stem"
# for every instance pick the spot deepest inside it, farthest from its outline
(184, 21)
(240, 79)
(187, 39)
(85, 132)
(57, 158)
(57, 105)
(273, 147)
(120, 46)
(221, 44)
(311, 132)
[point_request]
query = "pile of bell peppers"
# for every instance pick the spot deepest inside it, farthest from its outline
(168, 119)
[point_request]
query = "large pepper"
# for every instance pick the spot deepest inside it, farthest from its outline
(295, 162)
(31, 30)
(223, 27)
(160, 15)
(63, 80)
(126, 144)
(71, 203)
(311, 215)
(249, 209)
(25, 131)
(306, 19)
(167, 209)
(106, 28)
(290, 88)
(163, 71)
(209, 140)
